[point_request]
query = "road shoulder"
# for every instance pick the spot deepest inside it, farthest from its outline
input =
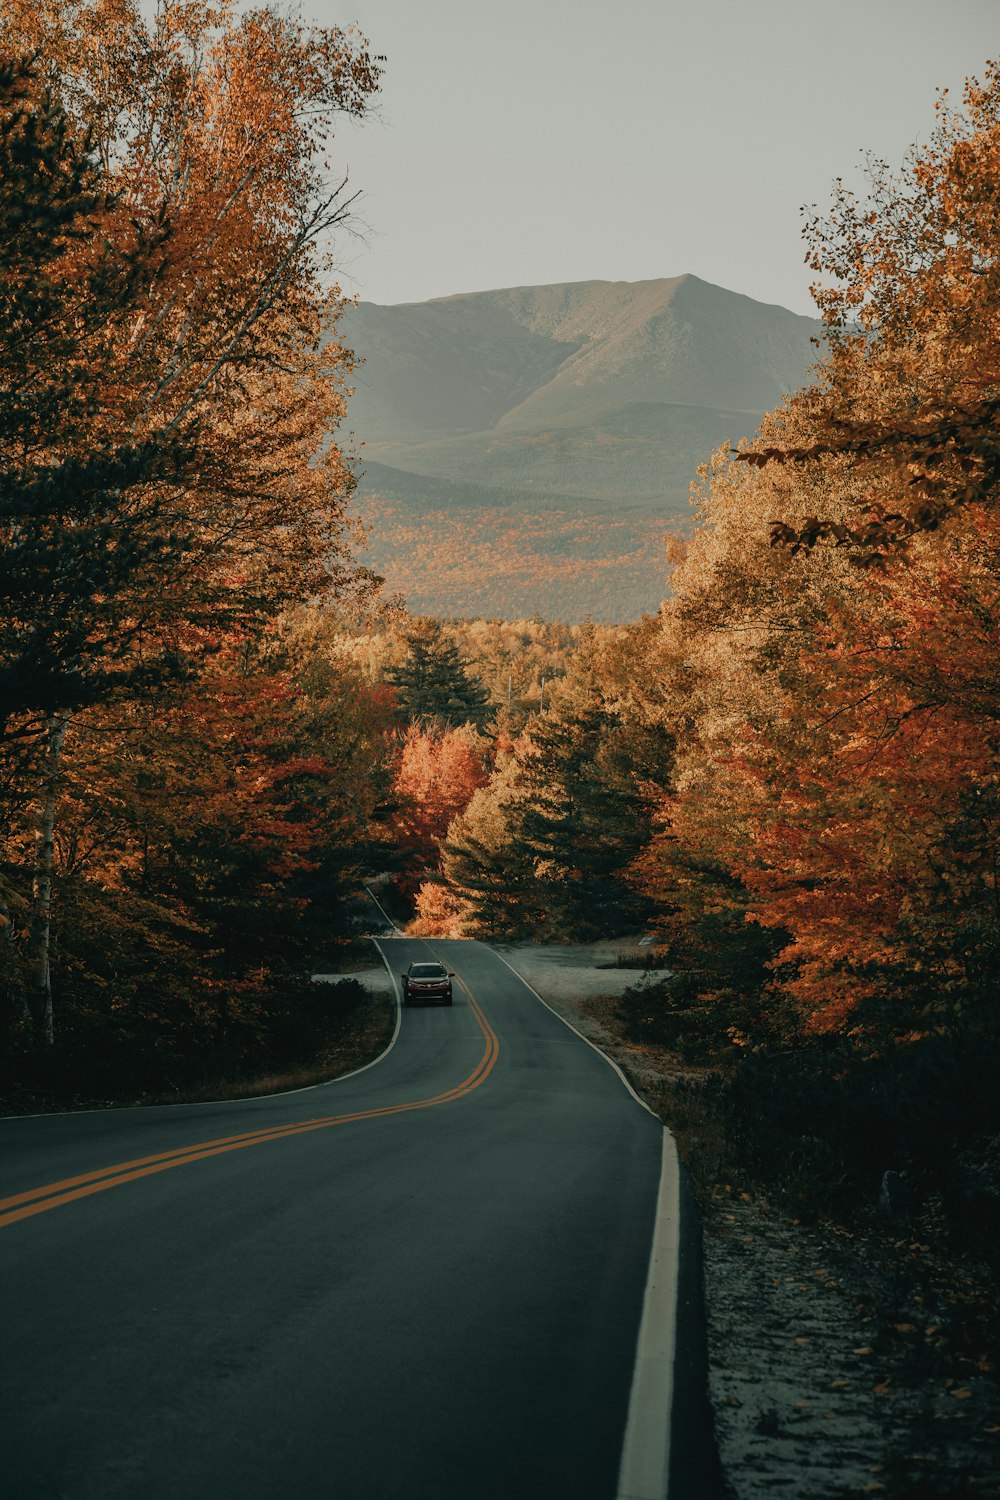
(823, 1371)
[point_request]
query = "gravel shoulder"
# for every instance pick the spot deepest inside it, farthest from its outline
(375, 980)
(838, 1365)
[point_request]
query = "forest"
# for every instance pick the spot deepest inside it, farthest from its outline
(216, 724)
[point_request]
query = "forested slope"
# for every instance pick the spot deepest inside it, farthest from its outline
(576, 413)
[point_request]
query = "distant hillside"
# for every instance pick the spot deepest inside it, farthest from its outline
(590, 403)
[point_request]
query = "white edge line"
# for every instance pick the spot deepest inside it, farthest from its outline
(325, 1083)
(593, 1045)
(397, 930)
(644, 1473)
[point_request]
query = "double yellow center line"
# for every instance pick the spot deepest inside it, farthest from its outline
(54, 1194)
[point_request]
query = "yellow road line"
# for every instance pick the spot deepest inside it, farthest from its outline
(54, 1194)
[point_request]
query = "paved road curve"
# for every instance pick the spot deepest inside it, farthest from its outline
(372, 1301)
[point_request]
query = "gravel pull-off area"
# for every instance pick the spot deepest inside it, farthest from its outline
(793, 1381)
(375, 980)
(838, 1367)
(832, 1375)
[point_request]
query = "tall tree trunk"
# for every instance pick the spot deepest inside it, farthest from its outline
(40, 991)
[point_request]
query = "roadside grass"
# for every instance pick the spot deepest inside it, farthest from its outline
(362, 1037)
(319, 1033)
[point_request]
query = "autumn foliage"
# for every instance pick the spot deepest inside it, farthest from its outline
(791, 773)
(211, 728)
(437, 773)
(843, 761)
(176, 798)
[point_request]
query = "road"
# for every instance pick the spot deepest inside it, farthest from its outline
(426, 1280)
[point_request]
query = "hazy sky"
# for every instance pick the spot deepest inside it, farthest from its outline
(532, 141)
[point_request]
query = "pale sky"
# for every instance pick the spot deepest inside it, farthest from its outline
(531, 141)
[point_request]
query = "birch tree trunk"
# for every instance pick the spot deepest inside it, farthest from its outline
(40, 983)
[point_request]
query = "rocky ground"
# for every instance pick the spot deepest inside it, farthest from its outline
(840, 1363)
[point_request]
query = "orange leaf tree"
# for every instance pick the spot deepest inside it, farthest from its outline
(840, 767)
(439, 769)
(206, 133)
(167, 221)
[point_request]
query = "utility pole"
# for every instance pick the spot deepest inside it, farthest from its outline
(541, 698)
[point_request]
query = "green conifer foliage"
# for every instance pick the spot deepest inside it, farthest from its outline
(486, 867)
(583, 819)
(71, 265)
(433, 682)
(545, 849)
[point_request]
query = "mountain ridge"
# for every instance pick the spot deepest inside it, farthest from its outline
(512, 350)
(599, 395)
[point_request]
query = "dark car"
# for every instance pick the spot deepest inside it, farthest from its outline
(428, 983)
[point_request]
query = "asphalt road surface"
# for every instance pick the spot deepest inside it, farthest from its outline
(422, 1282)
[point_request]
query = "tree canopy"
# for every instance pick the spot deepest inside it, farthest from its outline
(171, 381)
(432, 680)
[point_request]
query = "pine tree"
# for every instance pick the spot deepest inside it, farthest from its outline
(72, 265)
(433, 681)
(583, 818)
(488, 872)
(545, 850)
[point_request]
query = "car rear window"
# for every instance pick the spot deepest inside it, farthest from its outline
(426, 971)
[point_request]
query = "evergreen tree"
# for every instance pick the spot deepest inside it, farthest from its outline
(433, 681)
(73, 265)
(545, 850)
(487, 870)
(583, 818)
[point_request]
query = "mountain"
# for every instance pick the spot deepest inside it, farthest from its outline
(525, 449)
